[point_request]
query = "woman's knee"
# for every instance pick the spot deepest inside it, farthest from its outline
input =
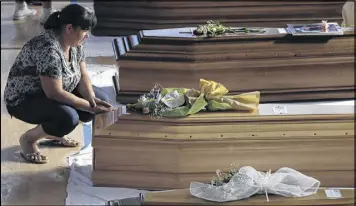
(71, 119)
(86, 116)
(65, 122)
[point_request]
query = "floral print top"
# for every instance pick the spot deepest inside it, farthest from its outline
(41, 56)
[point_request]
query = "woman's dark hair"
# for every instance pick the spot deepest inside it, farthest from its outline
(73, 14)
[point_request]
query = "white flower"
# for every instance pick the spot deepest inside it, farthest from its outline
(218, 173)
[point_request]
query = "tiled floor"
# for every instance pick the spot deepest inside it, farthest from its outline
(23, 183)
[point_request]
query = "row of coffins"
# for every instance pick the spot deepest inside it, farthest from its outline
(121, 18)
(138, 151)
(281, 66)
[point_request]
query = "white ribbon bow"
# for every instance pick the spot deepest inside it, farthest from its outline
(248, 181)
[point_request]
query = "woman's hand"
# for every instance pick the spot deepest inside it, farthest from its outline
(103, 103)
(93, 101)
(100, 109)
(99, 106)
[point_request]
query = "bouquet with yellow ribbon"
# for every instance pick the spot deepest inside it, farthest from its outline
(180, 102)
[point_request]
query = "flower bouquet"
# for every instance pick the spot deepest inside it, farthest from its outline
(180, 102)
(247, 181)
(214, 28)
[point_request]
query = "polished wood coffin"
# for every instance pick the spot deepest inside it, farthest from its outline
(280, 66)
(121, 17)
(136, 151)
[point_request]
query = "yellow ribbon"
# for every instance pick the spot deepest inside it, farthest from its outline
(213, 95)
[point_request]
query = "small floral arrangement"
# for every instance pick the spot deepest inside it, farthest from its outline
(181, 102)
(214, 28)
(222, 177)
(151, 103)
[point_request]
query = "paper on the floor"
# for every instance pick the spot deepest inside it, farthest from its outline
(80, 190)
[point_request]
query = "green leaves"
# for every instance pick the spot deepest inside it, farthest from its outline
(214, 28)
(180, 102)
(211, 29)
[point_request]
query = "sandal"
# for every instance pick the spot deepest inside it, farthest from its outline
(33, 157)
(65, 142)
(36, 158)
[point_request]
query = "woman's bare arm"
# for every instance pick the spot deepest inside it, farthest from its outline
(85, 87)
(52, 87)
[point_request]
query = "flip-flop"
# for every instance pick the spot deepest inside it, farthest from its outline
(36, 157)
(65, 142)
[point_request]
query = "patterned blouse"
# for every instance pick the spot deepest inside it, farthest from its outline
(42, 56)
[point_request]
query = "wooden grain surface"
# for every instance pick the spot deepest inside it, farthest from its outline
(121, 18)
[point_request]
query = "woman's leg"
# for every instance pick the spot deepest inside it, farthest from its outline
(33, 3)
(47, 4)
(55, 118)
(83, 116)
(46, 10)
(22, 11)
(28, 142)
(52, 118)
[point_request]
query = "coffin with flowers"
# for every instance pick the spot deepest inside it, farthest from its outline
(139, 151)
(122, 18)
(282, 67)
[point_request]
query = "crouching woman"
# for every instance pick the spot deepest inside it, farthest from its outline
(48, 84)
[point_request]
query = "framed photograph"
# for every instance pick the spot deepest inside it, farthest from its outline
(315, 29)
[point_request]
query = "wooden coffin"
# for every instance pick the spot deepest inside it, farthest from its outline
(121, 18)
(136, 151)
(280, 66)
(183, 197)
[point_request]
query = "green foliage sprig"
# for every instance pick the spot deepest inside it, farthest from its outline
(214, 28)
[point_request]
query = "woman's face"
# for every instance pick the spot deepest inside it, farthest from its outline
(76, 36)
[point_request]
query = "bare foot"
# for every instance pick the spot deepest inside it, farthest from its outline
(30, 151)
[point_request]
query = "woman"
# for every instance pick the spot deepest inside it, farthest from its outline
(48, 84)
